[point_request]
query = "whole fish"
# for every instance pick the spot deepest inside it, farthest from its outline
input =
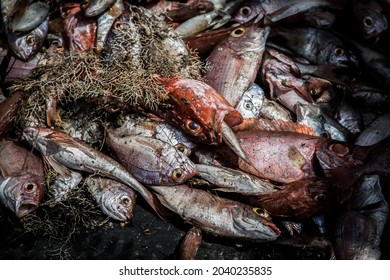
(216, 215)
(200, 111)
(232, 180)
(32, 17)
(93, 8)
(25, 45)
(59, 149)
(287, 156)
(369, 17)
(303, 198)
(190, 244)
(23, 186)
(115, 199)
(359, 229)
(241, 52)
(8, 110)
(150, 161)
(255, 104)
(317, 46)
(139, 125)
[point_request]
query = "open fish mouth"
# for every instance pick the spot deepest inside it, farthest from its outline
(25, 208)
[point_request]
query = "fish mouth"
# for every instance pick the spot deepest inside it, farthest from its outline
(25, 208)
(231, 141)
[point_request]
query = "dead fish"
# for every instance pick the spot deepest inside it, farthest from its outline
(369, 17)
(139, 125)
(350, 118)
(369, 96)
(255, 104)
(63, 186)
(8, 110)
(32, 17)
(216, 215)
(320, 17)
(93, 8)
(377, 131)
(115, 199)
(104, 23)
(241, 52)
(359, 229)
(190, 243)
(23, 187)
(248, 11)
(317, 46)
(303, 198)
(232, 180)
(185, 11)
(25, 45)
(149, 160)
(59, 149)
(287, 156)
(196, 24)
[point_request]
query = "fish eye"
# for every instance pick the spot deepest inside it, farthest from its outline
(177, 174)
(245, 11)
(182, 148)
(125, 200)
(320, 197)
(261, 212)
(238, 32)
(339, 149)
(367, 21)
(118, 25)
(248, 105)
(325, 134)
(192, 126)
(30, 40)
(312, 91)
(30, 187)
(338, 51)
(85, 4)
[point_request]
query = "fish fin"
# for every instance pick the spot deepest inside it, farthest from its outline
(252, 124)
(59, 168)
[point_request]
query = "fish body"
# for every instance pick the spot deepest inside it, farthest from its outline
(215, 215)
(185, 11)
(8, 110)
(63, 186)
(93, 8)
(151, 161)
(23, 186)
(115, 199)
(377, 131)
(32, 17)
(59, 149)
(241, 52)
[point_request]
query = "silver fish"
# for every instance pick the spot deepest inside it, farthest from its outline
(62, 186)
(375, 132)
(151, 161)
(93, 8)
(25, 46)
(232, 180)
(115, 199)
(33, 16)
(59, 149)
(217, 216)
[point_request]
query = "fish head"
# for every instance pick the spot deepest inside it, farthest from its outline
(118, 201)
(37, 137)
(25, 46)
(22, 194)
(254, 223)
(248, 11)
(198, 109)
(179, 167)
(93, 8)
(370, 19)
(337, 54)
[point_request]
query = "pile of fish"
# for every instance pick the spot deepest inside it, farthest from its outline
(246, 119)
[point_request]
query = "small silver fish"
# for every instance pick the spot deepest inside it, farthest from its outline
(115, 199)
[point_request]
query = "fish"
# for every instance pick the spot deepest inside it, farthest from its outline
(235, 181)
(359, 229)
(200, 111)
(318, 46)
(285, 157)
(216, 215)
(63, 186)
(150, 161)
(26, 45)
(377, 131)
(32, 17)
(248, 11)
(190, 243)
(22, 187)
(320, 17)
(369, 17)
(8, 110)
(255, 104)
(239, 53)
(185, 11)
(141, 125)
(303, 198)
(93, 8)
(115, 199)
(59, 149)
(196, 24)
(350, 118)
(370, 96)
